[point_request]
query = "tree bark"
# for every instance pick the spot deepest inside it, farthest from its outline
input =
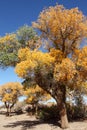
(36, 109)
(7, 107)
(11, 107)
(61, 102)
(63, 116)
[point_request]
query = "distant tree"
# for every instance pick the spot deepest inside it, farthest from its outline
(9, 94)
(64, 63)
(34, 95)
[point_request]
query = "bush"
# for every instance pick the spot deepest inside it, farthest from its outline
(18, 111)
(18, 108)
(52, 112)
(46, 112)
(29, 109)
(76, 112)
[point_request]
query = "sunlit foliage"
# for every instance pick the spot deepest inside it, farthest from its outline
(9, 94)
(31, 61)
(62, 30)
(62, 65)
(63, 27)
(35, 94)
(65, 71)
(11, 43)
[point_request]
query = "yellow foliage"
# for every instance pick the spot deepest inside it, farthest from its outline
(24, 53)
(42, 58)
(80, 57)
(57, 54)
(30, 60)
(35, 94)
(65, 71)
(24, 68)
(10, 92)
(7, 38)
(64, 27)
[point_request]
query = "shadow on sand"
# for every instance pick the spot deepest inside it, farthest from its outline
(26, 124)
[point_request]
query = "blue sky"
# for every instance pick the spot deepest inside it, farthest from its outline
(16, 13)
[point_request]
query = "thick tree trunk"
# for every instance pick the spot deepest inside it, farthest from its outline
(63, 116)
(58, 92)
(61, 102)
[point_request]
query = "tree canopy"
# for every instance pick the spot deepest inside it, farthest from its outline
(11, 43)
(9, 94)
(64, 63)
(35, 94)
(62, 31)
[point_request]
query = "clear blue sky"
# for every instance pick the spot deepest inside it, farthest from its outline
(16, 13)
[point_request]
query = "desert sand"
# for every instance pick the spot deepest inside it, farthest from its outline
(26, 122)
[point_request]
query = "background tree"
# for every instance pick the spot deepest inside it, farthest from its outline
(11, 43)
(9, 94)
(35, 94)
(8, 50)
(27, 37)
(62, 31)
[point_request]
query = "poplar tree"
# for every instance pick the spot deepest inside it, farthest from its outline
(64, 63)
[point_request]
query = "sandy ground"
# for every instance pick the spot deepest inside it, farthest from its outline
(26, 122)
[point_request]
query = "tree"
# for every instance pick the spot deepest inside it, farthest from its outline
(8, 50)
(35, 94)
(11, 43)
(27, 37)
(62, 31)
(9, 94)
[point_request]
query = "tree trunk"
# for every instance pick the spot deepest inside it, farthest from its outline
(36, 109)
(7, 107)
(11, 107)
(61, 102)
(63, 116)
(7, 114)
(58, 92)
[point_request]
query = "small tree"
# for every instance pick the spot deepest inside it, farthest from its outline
(9, 94)
(36, 94)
